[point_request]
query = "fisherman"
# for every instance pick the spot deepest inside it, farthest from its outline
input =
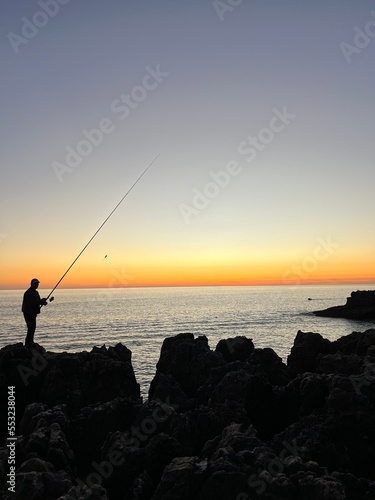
(31, 308)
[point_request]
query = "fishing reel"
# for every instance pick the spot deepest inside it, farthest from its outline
(51, 299)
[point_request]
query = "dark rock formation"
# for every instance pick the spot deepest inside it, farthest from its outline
(66, 404)
(234, 423)
(360, 305)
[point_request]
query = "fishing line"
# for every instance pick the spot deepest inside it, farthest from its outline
(100, 227)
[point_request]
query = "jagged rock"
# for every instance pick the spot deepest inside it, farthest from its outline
(339, 363)
(155, 417)
(229, 424)
(76, 380)
(50, 444)
(36, 465)
(222, 483)
(85, 378)
(355, 488)
(235, 349)
(47, 485)
(236, 436)
(355, 343)
(204, 424)
(266, 361)
(122, 463)
(38, 415)
(188, 360)
(25, 370)
(91, 427)
(159, 452)
(360, 305)
(143, 487)
(312, 391)
(234, 387)
(324, 488)
(216, 375)
(306, 347)
(278, 486)
(92, 492)
(167, 389)
(182, 479)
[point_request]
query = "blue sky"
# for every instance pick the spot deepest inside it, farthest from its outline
(223, 73)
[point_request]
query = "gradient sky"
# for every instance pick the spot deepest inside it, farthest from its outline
(302, 211)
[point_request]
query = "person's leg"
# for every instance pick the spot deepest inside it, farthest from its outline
(31, 327)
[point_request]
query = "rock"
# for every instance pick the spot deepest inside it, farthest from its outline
(188, 360)
(39, 485)
(313, 392)
(182, 479)
(216, 375)
(306, 347)
(232, 423)
(36, 465)
(76, 380)
(236, 436)
(204, 424)
(92, 492)
(91, 427)
(84, 379)
(235, 349)
(49, 443)
(355, 488)
(122, 463)
(339, 363)
(356, 343)
(167, 389)
(266, 361)
(360, 305)
(324, 488)
(38, 415)
(159, 452)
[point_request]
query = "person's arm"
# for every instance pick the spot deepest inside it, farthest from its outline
(41, 302)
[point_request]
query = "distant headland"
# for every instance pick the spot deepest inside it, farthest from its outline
(360, 305)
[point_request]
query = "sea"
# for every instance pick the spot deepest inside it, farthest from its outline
(141, 318)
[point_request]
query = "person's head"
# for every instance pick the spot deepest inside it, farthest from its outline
(34, 283)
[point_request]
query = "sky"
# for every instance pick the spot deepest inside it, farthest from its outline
(261, 113)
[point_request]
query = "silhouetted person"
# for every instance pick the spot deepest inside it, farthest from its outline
(31, 308)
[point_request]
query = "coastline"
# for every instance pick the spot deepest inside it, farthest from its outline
(233, 422)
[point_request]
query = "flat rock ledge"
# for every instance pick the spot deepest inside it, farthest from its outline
(232, 423)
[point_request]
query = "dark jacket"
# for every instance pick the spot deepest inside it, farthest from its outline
(31, 302)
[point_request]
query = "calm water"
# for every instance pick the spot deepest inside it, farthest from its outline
(141, 318)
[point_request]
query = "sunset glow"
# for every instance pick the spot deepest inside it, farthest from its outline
(263, 123)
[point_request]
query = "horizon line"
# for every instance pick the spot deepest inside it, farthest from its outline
(304, 284)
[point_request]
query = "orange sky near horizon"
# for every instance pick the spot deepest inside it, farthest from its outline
(107, 272)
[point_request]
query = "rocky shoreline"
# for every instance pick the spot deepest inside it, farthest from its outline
(360, 306)
(233, 422)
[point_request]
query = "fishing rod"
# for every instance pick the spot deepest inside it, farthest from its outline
(100, 227)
